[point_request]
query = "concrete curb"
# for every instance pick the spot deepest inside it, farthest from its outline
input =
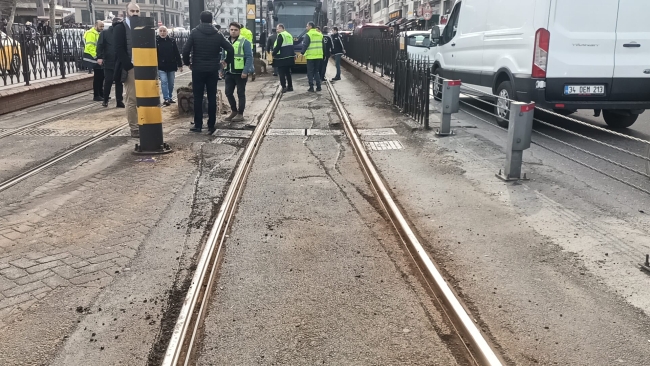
(380, 85)
(21, 97)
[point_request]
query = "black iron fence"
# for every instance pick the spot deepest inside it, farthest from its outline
(378, 54)
(410, 75)
(411, 87)
(28, 56)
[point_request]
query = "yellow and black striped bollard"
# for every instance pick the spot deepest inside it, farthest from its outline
(145, 63)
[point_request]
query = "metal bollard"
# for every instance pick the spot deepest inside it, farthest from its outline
(145, 62)
(450, 99)
(520, 129)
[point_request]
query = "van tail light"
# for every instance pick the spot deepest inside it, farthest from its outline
(540, 57)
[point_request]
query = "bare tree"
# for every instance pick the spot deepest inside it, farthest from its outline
(215, 6)
(53, 15)
(10, 7)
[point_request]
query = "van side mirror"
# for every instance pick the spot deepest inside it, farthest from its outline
(435, 33)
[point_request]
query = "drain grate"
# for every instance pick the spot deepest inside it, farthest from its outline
(229, 141)
(46, 132)
(383, 145)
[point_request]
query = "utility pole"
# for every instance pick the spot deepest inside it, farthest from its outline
(165, 12)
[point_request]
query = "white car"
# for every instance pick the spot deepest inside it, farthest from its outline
(562, 54)
(418, 43)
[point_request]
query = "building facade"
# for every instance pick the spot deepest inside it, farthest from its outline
(166, 12)
(348, 14)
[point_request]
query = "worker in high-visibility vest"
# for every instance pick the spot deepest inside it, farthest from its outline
(246, 33)
(313, 50)
(91, 37)
(237, 72)
(284, 57)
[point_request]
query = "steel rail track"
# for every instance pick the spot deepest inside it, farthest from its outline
(181, 346)
(42, 166)
(478, 347)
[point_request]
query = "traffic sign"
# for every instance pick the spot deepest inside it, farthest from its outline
(250, 11)
(428, 12)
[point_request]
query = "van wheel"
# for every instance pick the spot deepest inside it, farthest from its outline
(502, 108)
(437, 85)
(617, 120)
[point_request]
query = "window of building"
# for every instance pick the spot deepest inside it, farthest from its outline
(223, 21)
(141, 1)
(153, 1)
(85, 16)
(99, 15)
(377, 7)
(384, 3)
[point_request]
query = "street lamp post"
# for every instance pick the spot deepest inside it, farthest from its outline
(164, 12)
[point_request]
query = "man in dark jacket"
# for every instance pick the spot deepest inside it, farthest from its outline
(284, 57)
(327, 52)
(106, 57)
(338, 50)
(205, 44)
(269, 46)
(169, 60)
(124, 57)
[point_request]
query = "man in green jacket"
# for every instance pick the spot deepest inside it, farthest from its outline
(91, 38)
(313, 50)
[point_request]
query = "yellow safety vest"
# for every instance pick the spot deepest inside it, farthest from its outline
(240, 60)
(287, 50)
(90, 39)
(315, 49)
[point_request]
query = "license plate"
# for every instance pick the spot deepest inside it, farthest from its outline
(584, 89)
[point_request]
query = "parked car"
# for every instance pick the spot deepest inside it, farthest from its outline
(9, 54)
(73, 45)
(563, 55)
(419, 43)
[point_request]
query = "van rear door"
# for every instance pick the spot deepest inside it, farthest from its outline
(632, 56)
(582, 44)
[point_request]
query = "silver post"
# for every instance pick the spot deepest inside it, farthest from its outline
(450, 98)
(520, 128)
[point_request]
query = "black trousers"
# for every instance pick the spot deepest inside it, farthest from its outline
(285, 76)
(109, 77)
(313, 72)
(232, 81)
(323, 68)
(200, 82)
(98, 82)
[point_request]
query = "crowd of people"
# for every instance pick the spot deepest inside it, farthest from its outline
(211, 54)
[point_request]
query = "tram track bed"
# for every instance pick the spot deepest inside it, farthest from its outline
(312, 270)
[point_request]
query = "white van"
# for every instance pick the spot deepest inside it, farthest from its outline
(561, 54)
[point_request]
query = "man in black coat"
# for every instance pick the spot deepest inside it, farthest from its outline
(107, 58)
(205, 44)
(124, 57)
(269, 46)
(327, 52)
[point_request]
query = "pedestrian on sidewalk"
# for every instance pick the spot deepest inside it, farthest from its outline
(106, 57)
(338, 50)
(312, 49)
(237, 71)
(284, 57)
(169, 60)
(327, 53)
(205, 44)
(124, 57)
(270, 45)
(91, 37)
